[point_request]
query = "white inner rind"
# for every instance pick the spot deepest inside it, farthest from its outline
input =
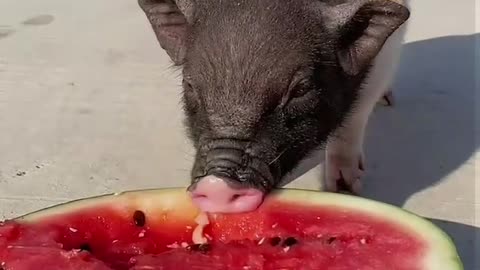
(442, 253)
(197, 235)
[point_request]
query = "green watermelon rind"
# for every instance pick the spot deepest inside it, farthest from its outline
(442, 253)
(441, 244)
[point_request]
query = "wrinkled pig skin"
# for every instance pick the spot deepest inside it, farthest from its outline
(267, 82)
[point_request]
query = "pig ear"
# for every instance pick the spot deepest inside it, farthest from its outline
(363, 28)
(169, 23)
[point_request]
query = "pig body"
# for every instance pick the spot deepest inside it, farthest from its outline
(344, 152)
(267, 82)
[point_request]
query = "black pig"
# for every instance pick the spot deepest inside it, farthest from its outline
(267, 82)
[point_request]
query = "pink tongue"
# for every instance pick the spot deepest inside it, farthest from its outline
(213, 194)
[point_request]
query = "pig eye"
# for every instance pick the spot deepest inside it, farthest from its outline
(298, 91)
(187, 85)
(298, 88)
(296, 94)
(191, 95)
(188, 88)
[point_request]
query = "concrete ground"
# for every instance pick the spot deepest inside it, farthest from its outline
(88, 105)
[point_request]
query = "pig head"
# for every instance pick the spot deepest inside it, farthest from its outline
(265, 82)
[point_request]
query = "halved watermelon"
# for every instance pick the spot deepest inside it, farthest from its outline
(293, 229)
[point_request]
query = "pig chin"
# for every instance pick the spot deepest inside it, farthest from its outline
(228, 177)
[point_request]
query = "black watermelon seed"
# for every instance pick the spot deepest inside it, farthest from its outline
(139, 218)
(203, 248)
(86, 247)
(290, 241)
(330, 240)
(275, 241)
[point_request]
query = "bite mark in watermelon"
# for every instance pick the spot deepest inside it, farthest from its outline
(293, 229)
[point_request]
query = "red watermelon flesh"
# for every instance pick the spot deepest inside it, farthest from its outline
(280, 235)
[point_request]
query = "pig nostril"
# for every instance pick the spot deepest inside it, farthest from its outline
(199, 196)
(235, 197)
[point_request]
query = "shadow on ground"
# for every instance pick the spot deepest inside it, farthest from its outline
(429, 133)
(466, 239)
(431, 130)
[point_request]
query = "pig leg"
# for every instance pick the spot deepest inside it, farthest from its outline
(388, 98)
(394, 47)
(345, 161)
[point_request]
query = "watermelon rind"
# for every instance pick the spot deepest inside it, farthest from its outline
(441, 255)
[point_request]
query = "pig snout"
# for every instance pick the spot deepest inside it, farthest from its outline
(214, 194)
(230, 176)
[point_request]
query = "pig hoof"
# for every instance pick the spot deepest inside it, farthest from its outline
(388, 99)
(343, 174)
